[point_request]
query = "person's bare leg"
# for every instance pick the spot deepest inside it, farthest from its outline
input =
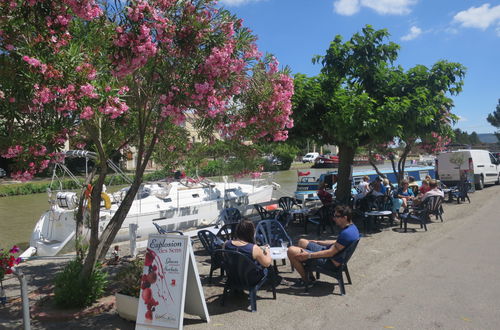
(293, 251)
(303, 243)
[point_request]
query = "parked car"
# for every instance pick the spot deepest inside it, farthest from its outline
(2, 173)
(326, 161)
(310, 157)
(480, 165)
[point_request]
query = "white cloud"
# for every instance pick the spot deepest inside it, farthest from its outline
(237, 2)
(415, 31)
(346, 7)
(478, 17)
(383, 7)
(392, 7)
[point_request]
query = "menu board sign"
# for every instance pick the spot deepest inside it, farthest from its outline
(163, 283)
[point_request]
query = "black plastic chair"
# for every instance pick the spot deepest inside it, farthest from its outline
(321, 219)
(162, 230)
(265, 214)
(229, 217)
(461, 192)
(430, 206)
(243, 274)
(337, 272)
(211, 243)
(287, 204)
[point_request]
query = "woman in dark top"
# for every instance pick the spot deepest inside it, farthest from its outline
(245, 243)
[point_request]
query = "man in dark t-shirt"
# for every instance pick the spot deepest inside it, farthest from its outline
(325, 253)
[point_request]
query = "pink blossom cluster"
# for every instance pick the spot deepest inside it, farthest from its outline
(435, 143)
(114, 107)
(13, 151)
(135, 50)
(38, 150)
(88, 69)
(85, 9)
(88, 90)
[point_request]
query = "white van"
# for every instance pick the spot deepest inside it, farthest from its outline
(310, 157)
(452, 166)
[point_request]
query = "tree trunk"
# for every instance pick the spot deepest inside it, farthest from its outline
(95, 200)
(346, 158)
(80, 253)
(402, 161)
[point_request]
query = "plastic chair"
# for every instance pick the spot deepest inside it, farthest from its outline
(230, 217)
(265, 214)
(211, 243)
(287, 204)
(162, 230)
(337, 272)
(271, 232)
(321, 219)
(243, 274)
(461, 192)
(430, 206)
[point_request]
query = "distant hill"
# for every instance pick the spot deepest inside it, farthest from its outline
(487, 138)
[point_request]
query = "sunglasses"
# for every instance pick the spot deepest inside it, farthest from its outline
(337, 216)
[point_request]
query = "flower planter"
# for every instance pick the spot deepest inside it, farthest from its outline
(126, 306)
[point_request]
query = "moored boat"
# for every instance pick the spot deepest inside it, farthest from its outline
(174, 205)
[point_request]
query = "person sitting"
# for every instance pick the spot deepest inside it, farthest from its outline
(425, 187)
(325, 253)
(433, 191)
(377, 189)
(324, 196)
(244, 242)
(413, 185)
(405, 194)
(364, 186)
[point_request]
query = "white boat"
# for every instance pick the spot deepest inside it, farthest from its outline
(175, 205)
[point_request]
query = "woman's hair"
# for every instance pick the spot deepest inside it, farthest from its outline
(245, 231)
(404, 181)
(386, 182)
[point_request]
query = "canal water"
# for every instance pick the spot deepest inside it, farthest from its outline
(19, 214)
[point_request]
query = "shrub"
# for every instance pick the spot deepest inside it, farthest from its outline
(129, 278)
(72, 292)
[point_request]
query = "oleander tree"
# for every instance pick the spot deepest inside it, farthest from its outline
(129, 73)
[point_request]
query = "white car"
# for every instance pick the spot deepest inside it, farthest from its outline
(310, 157)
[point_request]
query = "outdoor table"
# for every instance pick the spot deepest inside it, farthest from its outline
(278, 253)
(374, 214)
(448, 191)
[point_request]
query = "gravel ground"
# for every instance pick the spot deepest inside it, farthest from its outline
(380, 256)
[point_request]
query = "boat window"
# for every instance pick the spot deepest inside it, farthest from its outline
(195, 195)
(423, 174)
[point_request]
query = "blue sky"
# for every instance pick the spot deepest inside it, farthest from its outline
(464, 31)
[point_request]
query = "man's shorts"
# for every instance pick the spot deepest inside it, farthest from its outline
(322, 262)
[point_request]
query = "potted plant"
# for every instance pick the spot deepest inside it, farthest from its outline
(129, 280)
